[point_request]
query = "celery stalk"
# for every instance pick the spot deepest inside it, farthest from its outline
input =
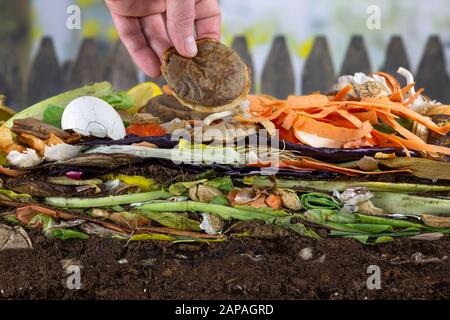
(62, 202)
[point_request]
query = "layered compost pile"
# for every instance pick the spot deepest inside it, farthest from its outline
(200, 158)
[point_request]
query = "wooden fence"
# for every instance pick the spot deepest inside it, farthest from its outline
(48, 77)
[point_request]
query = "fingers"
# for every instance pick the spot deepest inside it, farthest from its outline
(132, 35)
(180, 26)
(136, 8)
(207, 15)
(154, 28)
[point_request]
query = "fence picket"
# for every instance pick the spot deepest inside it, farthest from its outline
(318, 71)
(45, 77)
(278, 75)
(356, 59)
(432, 73)
(120, 69)
(10, 75)
(87, 68)
(396, 57)
(241, 47)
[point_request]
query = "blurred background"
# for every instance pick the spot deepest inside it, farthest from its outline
(25, 22)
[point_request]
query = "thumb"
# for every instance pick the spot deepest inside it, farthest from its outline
(180, 26)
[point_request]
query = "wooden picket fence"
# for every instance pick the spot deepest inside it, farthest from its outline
(47, 77)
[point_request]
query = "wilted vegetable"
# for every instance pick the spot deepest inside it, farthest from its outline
(290, 199)
(314, 200)
(398, 203)
(203, 193)
(212, 223)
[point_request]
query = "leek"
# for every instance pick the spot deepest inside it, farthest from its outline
(397, 203)
(330, 186)
(62, 202)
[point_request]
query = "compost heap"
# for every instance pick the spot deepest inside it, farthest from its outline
(368, 161)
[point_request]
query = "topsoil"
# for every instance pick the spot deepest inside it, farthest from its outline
(290, 267)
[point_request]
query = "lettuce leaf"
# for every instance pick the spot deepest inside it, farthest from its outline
(53, 114)
(120, 100)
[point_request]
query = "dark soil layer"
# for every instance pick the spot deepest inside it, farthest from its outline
(238, 269)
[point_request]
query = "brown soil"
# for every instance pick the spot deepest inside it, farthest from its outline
(238, 269)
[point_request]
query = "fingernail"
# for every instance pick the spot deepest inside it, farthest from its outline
(190, 46)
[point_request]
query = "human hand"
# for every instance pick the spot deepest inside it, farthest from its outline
(149, 27)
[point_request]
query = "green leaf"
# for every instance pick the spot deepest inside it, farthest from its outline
(220, 200)
(324, 215)
(383, 239)
(315, 200)
(222, 183)
(41, 220)
(404, 122)
(172, 220)
(11, 218)
(346, 234)
(65, 234)
(285, 222)
(366, 239)
(11, 195)
(225, 212)
(369, 228)
(181, 188)
(158, 237)
(120, 100)
(53, 114)
(396, 223)
(117, 208)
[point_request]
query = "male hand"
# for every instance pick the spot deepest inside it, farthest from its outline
(149, 27)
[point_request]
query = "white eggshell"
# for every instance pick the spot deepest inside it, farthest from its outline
(91, 116)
